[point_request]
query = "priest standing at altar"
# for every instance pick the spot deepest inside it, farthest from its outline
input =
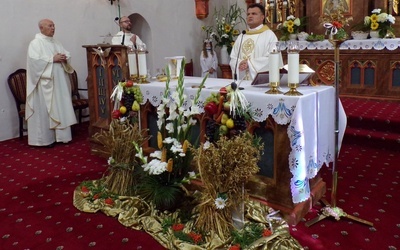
(125, 36)
(254, 45)
(49, 112)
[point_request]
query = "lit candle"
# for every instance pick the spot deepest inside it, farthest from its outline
(273, 60)
(293, 67)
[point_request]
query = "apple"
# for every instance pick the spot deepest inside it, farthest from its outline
(116, 114)
(122, 110)
(223, 130)
(129, 83)
(211, 108)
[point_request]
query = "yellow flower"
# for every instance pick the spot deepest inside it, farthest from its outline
(227, 28)
(159, 140)
(374, 18)
(170, 164)
(290, 23)
(185, 146)
(236, 32)
(290, 29)
(374, 25)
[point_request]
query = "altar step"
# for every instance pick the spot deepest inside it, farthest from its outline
(373, 122)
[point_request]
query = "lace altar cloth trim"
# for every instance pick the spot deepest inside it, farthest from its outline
(367, 44)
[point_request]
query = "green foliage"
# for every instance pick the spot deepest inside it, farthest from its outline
(250, 233)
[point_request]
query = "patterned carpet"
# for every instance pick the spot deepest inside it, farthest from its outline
(36, 187)
(36, 210)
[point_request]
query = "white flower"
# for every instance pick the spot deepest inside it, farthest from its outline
(169, 140)
(172, 116)
(194, 110)
(367, 20)
(206, 145)
(122, 119)
(291, 17)
(155, 167)
(225, 36)
(382, 17)
(110, 160)
(159, 123)
(156, 154)
(220, 203)
(192, 174)
(391, 19)
(192, 121)
(297, 22)
(376, 11)
(170, 127)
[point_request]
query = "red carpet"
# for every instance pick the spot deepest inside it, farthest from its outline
(36, 210)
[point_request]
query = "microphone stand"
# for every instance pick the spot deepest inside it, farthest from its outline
(330, 209)
(234, 83)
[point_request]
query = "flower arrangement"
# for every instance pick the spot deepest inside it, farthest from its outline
(380, 21)
(168, 167)
(334, 21)
(292, 25)
(224, 31)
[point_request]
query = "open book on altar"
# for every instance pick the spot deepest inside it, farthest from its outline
(305, 72)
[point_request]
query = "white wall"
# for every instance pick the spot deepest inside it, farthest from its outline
(175, 30)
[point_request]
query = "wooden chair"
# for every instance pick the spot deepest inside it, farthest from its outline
(17, 84)
(77, 102)
(189, 68)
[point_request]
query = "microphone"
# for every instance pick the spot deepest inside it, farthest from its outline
(237, 59)
(123, 38)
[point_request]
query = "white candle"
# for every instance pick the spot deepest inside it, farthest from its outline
(132, 63)
(293, 67)
(142, 64)
(273, 60)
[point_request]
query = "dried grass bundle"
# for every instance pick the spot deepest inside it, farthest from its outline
(223, 168)
(118, 144)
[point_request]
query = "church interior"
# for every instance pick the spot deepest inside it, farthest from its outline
(167, 155)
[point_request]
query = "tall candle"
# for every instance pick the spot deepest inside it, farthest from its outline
(293, 67)
(132, 63)
(142, 64)
(273, 60)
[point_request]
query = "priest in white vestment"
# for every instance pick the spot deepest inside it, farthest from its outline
(125, 36)
(255, 46)
(49, 111)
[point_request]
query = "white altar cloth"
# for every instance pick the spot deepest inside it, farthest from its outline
(310, 119)
(366, 44)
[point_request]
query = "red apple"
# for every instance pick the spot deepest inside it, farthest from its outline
(211, 108)
(116, 114)
(129, 83)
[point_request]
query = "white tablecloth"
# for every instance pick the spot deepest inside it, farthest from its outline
(310, 117)
(377, 44)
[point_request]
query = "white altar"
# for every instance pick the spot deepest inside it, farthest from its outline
(310, 119)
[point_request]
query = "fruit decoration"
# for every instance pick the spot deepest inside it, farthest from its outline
(127, 98)
(225, 117)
